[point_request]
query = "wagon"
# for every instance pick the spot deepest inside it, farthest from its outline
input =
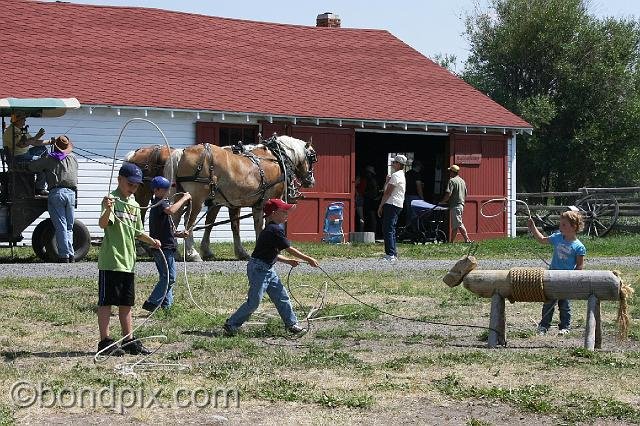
(19, 207)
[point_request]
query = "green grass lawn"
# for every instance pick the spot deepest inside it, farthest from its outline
(359, 366)
(524, 247)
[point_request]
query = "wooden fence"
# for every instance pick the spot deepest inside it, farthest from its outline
(617, 208)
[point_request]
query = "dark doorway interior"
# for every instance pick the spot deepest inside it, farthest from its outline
(372, 149)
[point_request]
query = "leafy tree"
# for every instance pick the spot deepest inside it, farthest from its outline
(574, 78)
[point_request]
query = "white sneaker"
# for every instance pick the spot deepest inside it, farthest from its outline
(563, 332)
(389, 258)
(541, 330)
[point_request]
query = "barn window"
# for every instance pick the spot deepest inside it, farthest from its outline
(231, 135)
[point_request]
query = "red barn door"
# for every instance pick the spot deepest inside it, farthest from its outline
(335, 178)
(483, 166)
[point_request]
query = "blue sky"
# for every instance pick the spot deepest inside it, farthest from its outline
(429, 26)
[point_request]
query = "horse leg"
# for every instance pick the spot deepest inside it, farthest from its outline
(205, 247)
(258, 220)
(192, 253)
(239, 251)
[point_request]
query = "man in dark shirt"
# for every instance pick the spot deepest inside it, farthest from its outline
(262, 274)
(415, 190)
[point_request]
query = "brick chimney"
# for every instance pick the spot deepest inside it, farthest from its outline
(328, 19)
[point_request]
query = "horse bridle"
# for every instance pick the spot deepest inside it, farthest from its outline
(312, 158)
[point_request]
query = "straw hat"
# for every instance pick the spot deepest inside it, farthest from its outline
(63, 144)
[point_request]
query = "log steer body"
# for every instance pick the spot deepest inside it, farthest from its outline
(538, 285)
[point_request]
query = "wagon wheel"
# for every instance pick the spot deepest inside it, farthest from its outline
(600, 213)
(43, 241)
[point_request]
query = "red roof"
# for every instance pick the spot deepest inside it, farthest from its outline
(130, 56)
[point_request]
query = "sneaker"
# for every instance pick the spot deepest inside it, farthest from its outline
(542, 330)
(389, 258)
(134, 347)
(114, 350)
(148, 306)
(229, 331)
(563, 332)
(295, 329)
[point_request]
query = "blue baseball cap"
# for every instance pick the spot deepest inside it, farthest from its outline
(131, 172)
(160, 182)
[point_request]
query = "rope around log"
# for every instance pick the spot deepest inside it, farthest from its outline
(527, 285)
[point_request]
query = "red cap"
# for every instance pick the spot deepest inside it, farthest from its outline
(275, 204)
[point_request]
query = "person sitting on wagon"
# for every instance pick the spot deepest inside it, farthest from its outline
(24, 148)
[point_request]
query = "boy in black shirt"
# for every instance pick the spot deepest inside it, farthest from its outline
(161, 227)
(262, 275)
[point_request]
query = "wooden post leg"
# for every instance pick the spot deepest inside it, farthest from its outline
(497, 321)
(598, 344)
(590, 327)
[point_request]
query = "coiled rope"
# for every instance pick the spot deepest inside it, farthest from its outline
(527, 284)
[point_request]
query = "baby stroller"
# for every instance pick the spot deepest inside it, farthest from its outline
(427, 225)
(332, 229)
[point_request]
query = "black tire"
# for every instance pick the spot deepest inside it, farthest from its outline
(38, 242)
(81, 242)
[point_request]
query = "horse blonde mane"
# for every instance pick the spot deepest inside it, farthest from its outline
(171, 168)
(295, 148)
(129, 156)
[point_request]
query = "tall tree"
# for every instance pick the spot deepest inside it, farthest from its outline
(574, 77)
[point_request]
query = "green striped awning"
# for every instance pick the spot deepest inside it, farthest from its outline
(38, 107)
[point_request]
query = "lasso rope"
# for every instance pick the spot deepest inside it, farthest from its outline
(527, 284)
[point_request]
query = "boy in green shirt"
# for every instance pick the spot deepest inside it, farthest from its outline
(122, 224)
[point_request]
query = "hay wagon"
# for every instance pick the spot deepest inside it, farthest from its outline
(19, 206)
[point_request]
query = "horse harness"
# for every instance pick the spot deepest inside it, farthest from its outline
(282, 158)
(152, 165)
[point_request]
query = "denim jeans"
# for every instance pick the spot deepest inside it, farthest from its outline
(390, 215)
(60, 204)
(565, 313)
(168, 271)
(263, 278)
(34, 153)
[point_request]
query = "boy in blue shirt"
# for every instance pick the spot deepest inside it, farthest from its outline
(262, 274)
(568, 254)
(161, 227)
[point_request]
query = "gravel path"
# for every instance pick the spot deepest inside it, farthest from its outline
(90, 269)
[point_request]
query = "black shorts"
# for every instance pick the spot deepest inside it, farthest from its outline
(116, 288)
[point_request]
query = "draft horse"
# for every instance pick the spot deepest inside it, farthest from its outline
(225, 178)
(151, 160)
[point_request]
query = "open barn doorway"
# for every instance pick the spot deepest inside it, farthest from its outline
(372, 160)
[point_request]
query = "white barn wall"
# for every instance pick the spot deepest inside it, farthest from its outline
(98, 132)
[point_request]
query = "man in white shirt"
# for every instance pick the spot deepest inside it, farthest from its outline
(391, 206)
